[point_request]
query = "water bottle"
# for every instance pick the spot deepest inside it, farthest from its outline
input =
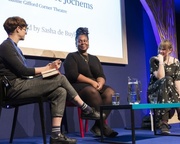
(134, 90)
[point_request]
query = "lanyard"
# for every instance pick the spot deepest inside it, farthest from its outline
(18, 51)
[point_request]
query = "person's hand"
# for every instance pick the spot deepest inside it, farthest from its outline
(99, 86)
(160, 58)
(55, 64)
(95, 84)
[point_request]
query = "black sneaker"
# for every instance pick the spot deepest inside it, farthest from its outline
(94, 115)
(62, 139)
(96, 131)
(164, 129)
(108, 132)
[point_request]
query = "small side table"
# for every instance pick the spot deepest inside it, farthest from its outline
(132, 108)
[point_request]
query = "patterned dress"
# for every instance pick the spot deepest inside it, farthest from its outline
(164, 89)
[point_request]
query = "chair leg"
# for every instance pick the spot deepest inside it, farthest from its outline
(0, 110)
(151, 119)
(154, 122)
(80, 123)
(14, 124)
(106, 122)
(41, 110)
(86, 125)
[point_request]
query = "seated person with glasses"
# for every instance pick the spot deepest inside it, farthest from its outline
(56, 89)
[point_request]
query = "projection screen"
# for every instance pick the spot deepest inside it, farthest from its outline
(52, 25)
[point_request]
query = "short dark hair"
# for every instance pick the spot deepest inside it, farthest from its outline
(81, 31)
(12, 23)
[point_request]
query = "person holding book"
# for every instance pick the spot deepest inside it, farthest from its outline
(164, 85)
(13, 66)
(85, 73)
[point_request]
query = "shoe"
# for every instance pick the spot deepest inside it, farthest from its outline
(62, 139)
(164, 129)
(108, 132)
(94, 115)
(96, 131)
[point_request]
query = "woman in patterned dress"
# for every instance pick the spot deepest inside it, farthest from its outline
(164, 82)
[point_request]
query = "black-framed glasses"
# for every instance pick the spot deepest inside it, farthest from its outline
(25, 29)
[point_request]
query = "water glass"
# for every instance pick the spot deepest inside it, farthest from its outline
(116, 99)
(134, 90)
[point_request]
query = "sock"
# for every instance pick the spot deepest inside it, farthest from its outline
(55, 131)
(86, 108)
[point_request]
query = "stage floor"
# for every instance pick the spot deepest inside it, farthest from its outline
(142, 137)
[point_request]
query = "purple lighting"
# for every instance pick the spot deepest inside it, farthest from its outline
(153, 21)
(162, 16)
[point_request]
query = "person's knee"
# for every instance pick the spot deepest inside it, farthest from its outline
(60, 77)
(109, 92)
(91, 96)
(61, 94)
(91, 90)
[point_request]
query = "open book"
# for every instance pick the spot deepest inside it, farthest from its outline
(50, 73)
